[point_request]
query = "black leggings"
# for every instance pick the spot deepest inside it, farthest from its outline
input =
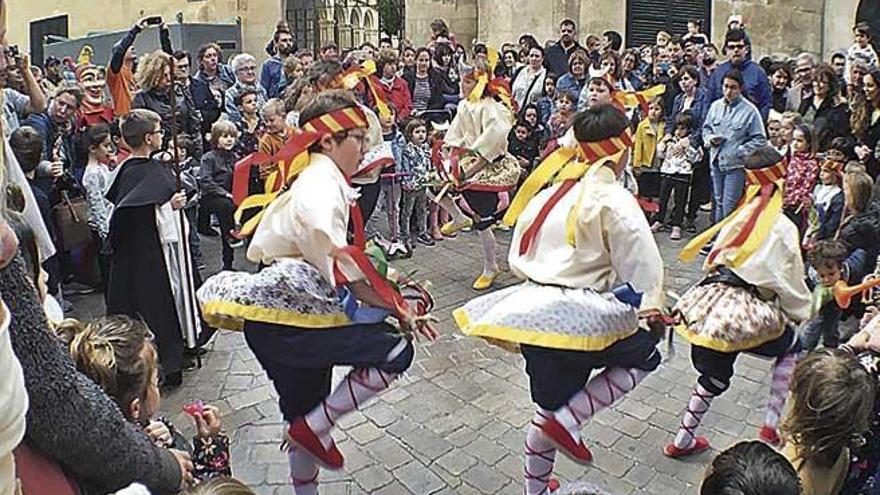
(224, 209)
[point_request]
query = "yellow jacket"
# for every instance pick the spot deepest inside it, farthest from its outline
(646, 143)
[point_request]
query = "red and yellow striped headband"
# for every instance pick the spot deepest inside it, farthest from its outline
(595, 150)
(337, 121)
(766, 175)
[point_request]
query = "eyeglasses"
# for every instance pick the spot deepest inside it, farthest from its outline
(738, 46)
(250, 68)
(803, 70)
(160, 132)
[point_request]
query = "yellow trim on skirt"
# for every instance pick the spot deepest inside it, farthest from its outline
(537, 338)
(231, 316)
(723, 345)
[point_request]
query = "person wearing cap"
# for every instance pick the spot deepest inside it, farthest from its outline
(750, 300)
(317, 303)
(53, 76)
(590, 269)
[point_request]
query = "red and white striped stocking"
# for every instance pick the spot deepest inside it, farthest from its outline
(360, 385)
(303, 472)
(783, 368)
(600, 392)
(700, 401)
(540, 456)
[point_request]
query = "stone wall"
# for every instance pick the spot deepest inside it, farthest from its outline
(775, 26)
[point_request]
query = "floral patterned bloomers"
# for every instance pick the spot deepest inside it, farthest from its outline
(548, 316)
(288, 292)
(727, 318)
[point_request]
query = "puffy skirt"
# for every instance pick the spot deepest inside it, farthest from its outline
(548, 316)
(496, 176)
(288, 292)
(728, 318)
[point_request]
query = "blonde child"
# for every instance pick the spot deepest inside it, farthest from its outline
(679, 155)
(415, 163)
(215, 182)
(832, 398)
(649, 132)
(789, 121)
(118, 354)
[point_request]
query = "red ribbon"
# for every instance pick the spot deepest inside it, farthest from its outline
(532, 232)
(746, 230)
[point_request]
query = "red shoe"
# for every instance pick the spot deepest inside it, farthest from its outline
(302, 435)
(559, 436)
(700, 445)
(769, 436)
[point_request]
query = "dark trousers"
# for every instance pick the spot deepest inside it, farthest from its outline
(300, 361)
(716, 367)
(676, 185)
(555, 375)
(701, 189)
(224, 209)
(368, 199)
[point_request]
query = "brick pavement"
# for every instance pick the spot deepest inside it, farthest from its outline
(455, 424)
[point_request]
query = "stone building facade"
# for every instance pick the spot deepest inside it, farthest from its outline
(775, 26)
(347, 22)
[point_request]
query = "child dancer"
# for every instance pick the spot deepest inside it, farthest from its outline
(479, 165)
(573, 241)
(679, 157)
(800, 176)
(753, 292)
(335, 305)
(415, 162)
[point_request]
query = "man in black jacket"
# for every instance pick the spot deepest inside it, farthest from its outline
(557, 54)
(199, 93)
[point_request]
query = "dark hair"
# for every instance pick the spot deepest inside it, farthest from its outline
(685, 119)
(27, 242)
(204, 49)
(439, 28)
(692, 71)
(675, 40)
(838, 55)
(137, 124)
(511, 52)
(808, 133)
(529, 39)
(245, 92)
(367, 44)
(540, 49)
(182, 54)
(385, 39)
(845, 145)
(825, 71)
(763, 157)
(828, 253)
(615, 39)
(598, 123)
(425, 50)
(750, 468)
(568, 22)
(413, 124)
(780, 66)
(27, 146)
(279, 32)
(734, 35)
(440, 51)
(637, 56)
(618, 66)
(321, 72)
(95, 135)
(735, 75)
(863, 28)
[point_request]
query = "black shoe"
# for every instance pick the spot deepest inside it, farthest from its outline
(706, 249)
(195, 351)
(172, 380)
(426, 240)
(690, 227)
(206, 336)
(210, 232)
(228, 268)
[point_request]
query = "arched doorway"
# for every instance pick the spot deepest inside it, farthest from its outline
(357, 30)
(370, 27)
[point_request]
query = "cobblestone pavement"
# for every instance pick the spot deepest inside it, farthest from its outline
(455, 424)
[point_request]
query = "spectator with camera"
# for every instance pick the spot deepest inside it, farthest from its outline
(17, 105)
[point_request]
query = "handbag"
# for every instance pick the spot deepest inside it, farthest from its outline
(71, 219)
